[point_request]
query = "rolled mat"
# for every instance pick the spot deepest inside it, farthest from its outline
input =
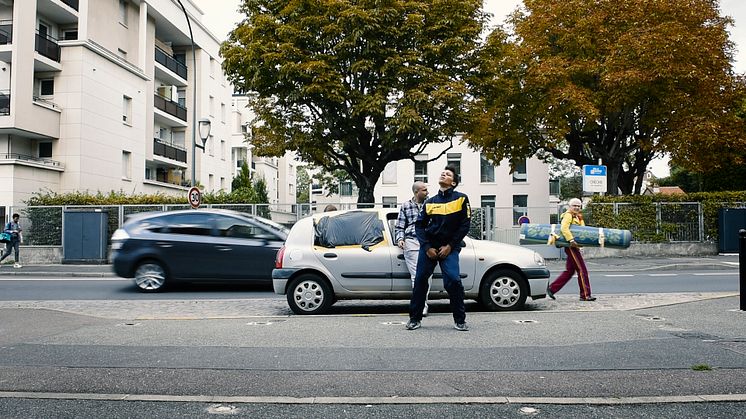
(584, 236)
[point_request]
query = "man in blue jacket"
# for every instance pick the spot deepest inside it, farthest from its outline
(442, 225)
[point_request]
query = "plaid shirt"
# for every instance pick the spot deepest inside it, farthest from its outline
(408, 214)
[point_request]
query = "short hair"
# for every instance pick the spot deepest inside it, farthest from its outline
(452, 169)
(16, 216)
(575, 201)
(417, 185)
(330, 207)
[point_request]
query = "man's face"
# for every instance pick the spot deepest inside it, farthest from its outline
(446, 179)
(421, 193)
(15, 219)
(575, 208)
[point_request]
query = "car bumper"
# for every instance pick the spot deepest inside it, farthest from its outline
(280, 278)
(538, 280)
(536, 273)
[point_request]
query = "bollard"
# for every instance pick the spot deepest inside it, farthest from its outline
(742, 267)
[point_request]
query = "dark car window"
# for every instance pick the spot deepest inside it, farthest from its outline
(196, 224)
(235, 227)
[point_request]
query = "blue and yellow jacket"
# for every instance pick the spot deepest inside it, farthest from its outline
(444, 219)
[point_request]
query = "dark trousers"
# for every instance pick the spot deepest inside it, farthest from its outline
(9, 246)
(451, 281)
(575, 263)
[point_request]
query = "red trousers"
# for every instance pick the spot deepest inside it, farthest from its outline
(575, 263)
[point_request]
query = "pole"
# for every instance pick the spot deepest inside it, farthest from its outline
(742, 266)
(194, 97)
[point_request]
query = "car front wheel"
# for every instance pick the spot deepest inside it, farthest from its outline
(150, 276)
(503, 290)
(309, 294)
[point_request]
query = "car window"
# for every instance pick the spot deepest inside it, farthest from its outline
(237, 228)
(196, 224)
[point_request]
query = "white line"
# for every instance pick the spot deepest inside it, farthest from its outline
(715, 273)
(618, 275)
(662, 274)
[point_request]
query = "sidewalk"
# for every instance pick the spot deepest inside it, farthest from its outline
(555, 266)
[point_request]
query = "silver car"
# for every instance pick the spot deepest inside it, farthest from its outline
(313, 274)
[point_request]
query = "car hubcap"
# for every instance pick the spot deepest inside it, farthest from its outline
(308, 295)
(150, 277)
(505, 291)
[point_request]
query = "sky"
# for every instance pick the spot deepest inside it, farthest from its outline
(221, 17)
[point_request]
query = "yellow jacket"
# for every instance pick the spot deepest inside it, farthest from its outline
(568, 219)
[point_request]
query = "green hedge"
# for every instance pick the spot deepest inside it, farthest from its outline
(656, 218)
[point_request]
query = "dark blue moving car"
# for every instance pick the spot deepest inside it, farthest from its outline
(157, 249)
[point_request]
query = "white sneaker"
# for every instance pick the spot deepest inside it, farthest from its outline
(425, 311)
(17, 265)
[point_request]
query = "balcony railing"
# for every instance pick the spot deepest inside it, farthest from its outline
(170, 107)
(4, 102)
(46, 102)
(170, 150)
(6, 32)
(71, 3)
(41, 160)
(48, 47)
(170, 63)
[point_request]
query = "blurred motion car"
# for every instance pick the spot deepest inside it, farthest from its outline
(160, 248)
(352, 255)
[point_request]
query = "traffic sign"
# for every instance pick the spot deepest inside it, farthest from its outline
(594, 178)
(523, 219)
(195, 197)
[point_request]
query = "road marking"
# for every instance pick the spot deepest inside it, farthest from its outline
(618, 275)
(662, 274)
(694, 398)
(715, 273)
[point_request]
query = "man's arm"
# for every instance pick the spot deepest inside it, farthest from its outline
(565, 226)
(401, 224)
(464, 223)
(419, 227)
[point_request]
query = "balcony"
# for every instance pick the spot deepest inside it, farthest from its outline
(169, 150)
(72, 3)
(162, 58)
(6, 32)
(48, 47)
(4, 102)
(170, 107)
(32, 161)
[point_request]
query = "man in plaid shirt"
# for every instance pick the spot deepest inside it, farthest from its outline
(404, 232)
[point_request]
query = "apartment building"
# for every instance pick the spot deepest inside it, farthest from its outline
(98, 95)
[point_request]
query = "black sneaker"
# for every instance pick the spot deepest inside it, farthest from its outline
(461, 327)
(413, 324)
(550, 294)
(588, 299)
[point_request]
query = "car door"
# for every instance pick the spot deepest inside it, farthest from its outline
(356, 268)
(246, 249)
(183, 241)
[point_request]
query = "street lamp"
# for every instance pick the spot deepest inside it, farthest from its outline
(194, 100)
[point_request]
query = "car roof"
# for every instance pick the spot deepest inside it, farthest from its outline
(154, 214)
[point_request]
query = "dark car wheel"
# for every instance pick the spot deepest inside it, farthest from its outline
(150, 276)
(309, 294)
(503, 290)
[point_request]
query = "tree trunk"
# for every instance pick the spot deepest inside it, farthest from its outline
(365, 194)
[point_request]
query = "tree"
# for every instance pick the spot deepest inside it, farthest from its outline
(731, 178)
(302, 185)
(354, 84)
(621, 81)
(262, 197)
(243, 179)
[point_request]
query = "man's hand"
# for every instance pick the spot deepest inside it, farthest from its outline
(444, 251)
(401, 244)
(432, 253)
(574, 244)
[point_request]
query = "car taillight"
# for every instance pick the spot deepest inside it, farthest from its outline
(278, 258)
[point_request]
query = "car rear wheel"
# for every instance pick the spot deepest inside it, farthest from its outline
(150, 276)
(309, 294)
(503, 290)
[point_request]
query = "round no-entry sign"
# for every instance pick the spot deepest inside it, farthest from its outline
(523, 220)
(195, 197)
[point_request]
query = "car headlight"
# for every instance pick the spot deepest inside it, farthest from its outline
(539, 259)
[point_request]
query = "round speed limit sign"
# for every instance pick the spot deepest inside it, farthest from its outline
(195, 197)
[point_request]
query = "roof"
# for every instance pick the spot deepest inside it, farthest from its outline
(664, 190)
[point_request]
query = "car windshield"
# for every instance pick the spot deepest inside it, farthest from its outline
(272, 224)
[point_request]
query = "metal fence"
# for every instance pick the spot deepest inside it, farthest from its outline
(665, 221)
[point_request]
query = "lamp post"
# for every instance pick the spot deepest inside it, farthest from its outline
(194, 101)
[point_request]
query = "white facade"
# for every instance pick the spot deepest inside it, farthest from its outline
(97, 95)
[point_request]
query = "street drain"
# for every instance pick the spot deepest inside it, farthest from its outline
(393, 323)
(265, 323)
(525, 321)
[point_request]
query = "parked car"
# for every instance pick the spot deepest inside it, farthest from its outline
(158, 249)
(352, 255)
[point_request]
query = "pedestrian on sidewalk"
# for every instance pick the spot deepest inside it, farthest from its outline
(441, 226)
(575, 262)
(16, 237)
(404, 232)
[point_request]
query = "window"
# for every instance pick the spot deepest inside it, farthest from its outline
(127, 110)
(420, 168)
(123, 12)
(181, 93)
(46, 87)
(488, 201)
(388, 177)
(389, 201)
(211, 183)
(222, 149)
(486, 170)
(70, 34)
(519, 171)
(212, 67)
(520, 207)
(454, 159)
(126, 165)
(211, 145)
(222, 113)
(192, 224)
(345, 188)
(212, 106)
(45, 150)
(222, 183)
(232, 227)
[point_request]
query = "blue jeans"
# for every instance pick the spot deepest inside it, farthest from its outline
(9, 247)
(451, 282)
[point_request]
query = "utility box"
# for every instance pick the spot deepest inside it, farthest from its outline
(730, 220)
(86, 236)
